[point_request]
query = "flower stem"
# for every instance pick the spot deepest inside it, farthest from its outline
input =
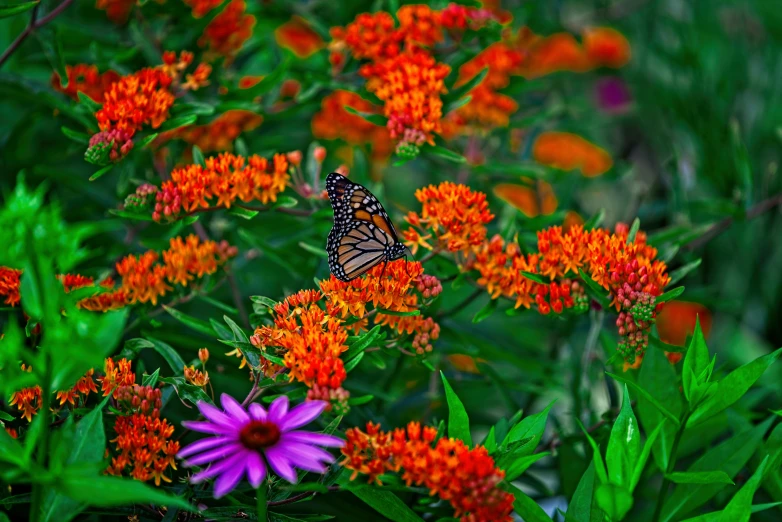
(262, 501)
(42, 456)
(671, 465)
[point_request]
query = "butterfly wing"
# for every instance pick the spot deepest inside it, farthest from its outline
(362, 235)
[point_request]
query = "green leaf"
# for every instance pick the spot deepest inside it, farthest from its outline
(733, 387)
(485, 312)
(105, 491)
(243, 212)
(361, 342)
(285, 202)
(624, 445)
(146, 140)
(11, 451)
(199, 325)
(358, 401)
(101, 172)
(456, 104)
(524, 506)
(597, 458)
(644, 456)
(385, 311)
(678, 274)
(513, 469)
(531, 426)
(14, 9)
(729, 456)
(352, 363)
(445, 153)
(580, 507)
(320, 252)
(381, 500)
(662, 409)
(658, 377)
(597, 292)
(151, 380)
(198, 156)
(699, 477)
(87, 444)
(51, 42)
(669, 295)
(634, 228)
(536, 277)
(458, 421)
(462, 90)
(376, 119)
(176, 123)
(78, 137)
(595, 220)
(90, 104)
(696, 360)
(186, 391)
(615, 500)
(174, 360)
(740, 506)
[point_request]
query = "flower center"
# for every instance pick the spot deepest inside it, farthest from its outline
(259, 434)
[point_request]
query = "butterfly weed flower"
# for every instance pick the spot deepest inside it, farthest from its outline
(9, 285)
(297, 36)
(228, 31)
(141, 98)
(80, 391)
(116, 375)
(116, 10)
(27, 401)
(85, 78)
(218, 135)
(566, 151)
(254, 441)
(453, 213)
(467, 478)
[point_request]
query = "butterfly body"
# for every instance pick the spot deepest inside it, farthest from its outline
(362, 235)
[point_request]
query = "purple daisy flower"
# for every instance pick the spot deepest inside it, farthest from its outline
(245, 441)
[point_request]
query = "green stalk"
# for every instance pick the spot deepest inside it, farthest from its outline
(42, 454)
(671, 465)
(261, 496)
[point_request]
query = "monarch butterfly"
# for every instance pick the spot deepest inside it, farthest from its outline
(362, 235)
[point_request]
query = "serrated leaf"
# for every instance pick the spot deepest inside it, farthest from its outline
(458, 421)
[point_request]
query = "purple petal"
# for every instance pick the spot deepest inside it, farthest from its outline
(278, 409)
(296, 451)
(256, 469)
(202, 445)
(209, 427)
(219, 467)
(279, 463)
(233, 408)
(214, 414)
(228, 480)
(257, 412)
(302, 414)
(219, 453)
(320, 439)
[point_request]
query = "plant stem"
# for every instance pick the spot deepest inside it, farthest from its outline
(262, 504)
(32, 26)
(671, 465)
(43, 443)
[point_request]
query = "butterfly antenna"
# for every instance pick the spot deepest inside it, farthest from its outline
(407, 268)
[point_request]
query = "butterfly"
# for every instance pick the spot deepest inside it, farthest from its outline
(362, 235)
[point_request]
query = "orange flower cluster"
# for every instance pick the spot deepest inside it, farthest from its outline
(145, 280)
(531, 56)
(141, 98)
(334, 122)
(116, 10)
(28, 401)
(467, 478)
(297, 35)
(566, 151)
(228, 31)
(202, 7)
(401, 71)
(143, 444)
(85, 78)
(117, 376)
(453, 213)
(226, 178)
(217, 135)
(9, 285)
(309, 341)
(389, 287)
(81, 390)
